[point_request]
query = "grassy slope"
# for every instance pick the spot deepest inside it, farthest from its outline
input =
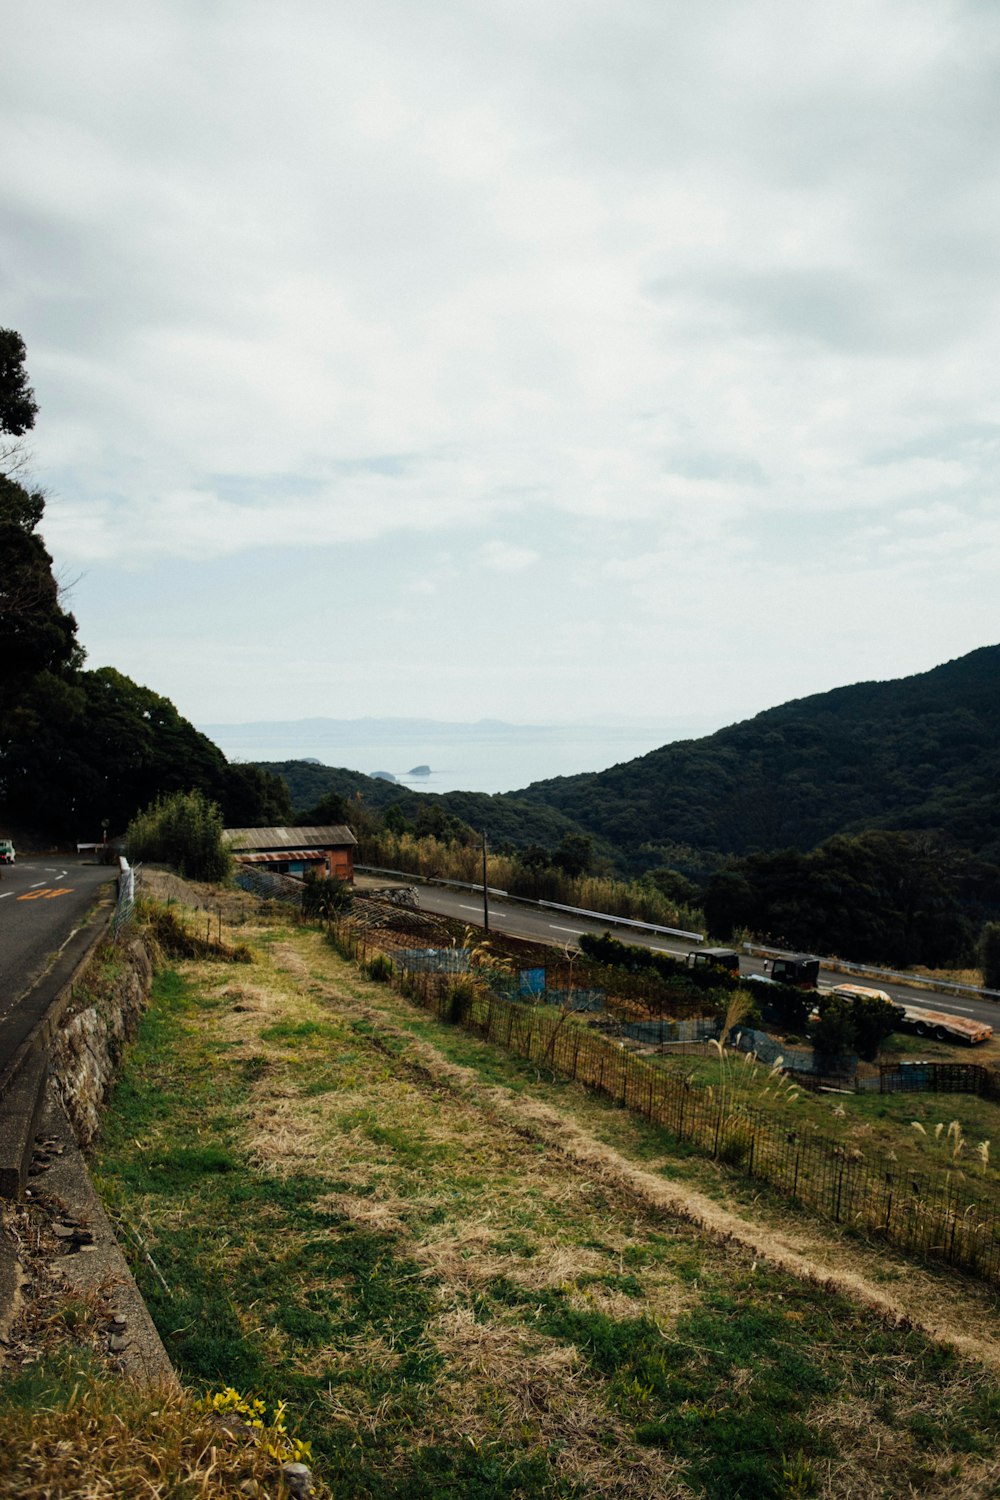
(370, 1215)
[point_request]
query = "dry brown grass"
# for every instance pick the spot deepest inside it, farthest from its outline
(476, 1186)
(953, 1310)
(113, 1440)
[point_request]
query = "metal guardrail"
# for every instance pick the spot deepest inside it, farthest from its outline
(576, 911)
(603, 916)
(869, 972)
(462, 885)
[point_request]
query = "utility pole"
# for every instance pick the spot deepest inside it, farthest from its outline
(486, 894)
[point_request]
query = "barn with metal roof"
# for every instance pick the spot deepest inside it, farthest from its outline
(293, 851)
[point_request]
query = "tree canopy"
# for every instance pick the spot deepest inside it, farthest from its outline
(18, 408)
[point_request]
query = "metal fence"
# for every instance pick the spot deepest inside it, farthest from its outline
(269, 884)
(946, 1217)
(129, 878)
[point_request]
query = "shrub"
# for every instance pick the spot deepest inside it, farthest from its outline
(183, 830)
(380, 969)
(325, 896)
(460, 995)
(989, 955)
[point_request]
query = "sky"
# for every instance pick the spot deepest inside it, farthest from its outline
(618, 359)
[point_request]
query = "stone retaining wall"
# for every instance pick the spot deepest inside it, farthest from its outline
(86, 1052)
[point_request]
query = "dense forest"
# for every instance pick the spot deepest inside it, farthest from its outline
(920, 753)
(81, 751)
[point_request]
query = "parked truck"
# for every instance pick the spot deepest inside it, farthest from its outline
(715, 958)
(799, 970)
(939, 1024)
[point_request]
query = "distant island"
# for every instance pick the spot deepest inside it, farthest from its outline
(383, 776)
(419, 771)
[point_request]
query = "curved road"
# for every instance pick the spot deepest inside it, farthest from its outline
(43, 900)
(552, 927)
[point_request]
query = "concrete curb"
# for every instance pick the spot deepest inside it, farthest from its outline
(133, 1344)
(25, 1034)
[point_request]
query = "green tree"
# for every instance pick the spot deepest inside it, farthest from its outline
(574, 855)
(183, 830)
(331, 808)
(989, 955)
(833, 1033)
(396, 821)
(325, 896)
(858, 1024)
(17, 400)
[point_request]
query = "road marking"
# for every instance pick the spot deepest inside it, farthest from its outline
(32, 895)
(46, 893)
(576, 931)
(469, 908)
(6, 893)
(64, 890)
(37, 883)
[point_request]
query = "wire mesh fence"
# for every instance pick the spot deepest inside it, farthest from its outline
(128, 883)
(945, 1217)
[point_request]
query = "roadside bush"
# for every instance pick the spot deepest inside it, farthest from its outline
(184, 831)
(325, 896)
(460, 995)
(380, 969)
(859, 1025)
(989, 955)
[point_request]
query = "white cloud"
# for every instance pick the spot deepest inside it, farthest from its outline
(504, 558)
(643, 287)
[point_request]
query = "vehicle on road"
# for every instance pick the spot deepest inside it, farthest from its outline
(944, 1027)
(798, 970)
(7, 852)
(939, 1024)
(715, 958)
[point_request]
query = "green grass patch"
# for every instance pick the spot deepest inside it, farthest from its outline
(354, 1275)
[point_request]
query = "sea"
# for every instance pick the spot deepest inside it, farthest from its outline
(487, 756)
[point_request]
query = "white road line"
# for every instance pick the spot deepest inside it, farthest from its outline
(36, 885)
(6, 893)
(469, 908)
(576, 931)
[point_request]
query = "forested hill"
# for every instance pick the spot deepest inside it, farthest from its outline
(919, 752)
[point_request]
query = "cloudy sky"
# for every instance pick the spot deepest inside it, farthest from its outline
(532, 360)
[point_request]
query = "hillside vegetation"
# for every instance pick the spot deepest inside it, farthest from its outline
(918, 753)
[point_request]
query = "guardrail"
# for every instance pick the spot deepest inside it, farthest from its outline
(869, 972)
(603, 916)
(576, 911)
(462, 885)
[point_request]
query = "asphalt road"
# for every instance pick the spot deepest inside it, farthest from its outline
(43, 900)
(557, 928)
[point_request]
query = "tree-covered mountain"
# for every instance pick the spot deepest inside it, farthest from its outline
(917, 753)
(503, 817)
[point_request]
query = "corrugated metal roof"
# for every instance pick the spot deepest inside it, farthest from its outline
(333, 836)
(282, 856)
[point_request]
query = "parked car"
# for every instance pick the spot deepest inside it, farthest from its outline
(7, 852)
